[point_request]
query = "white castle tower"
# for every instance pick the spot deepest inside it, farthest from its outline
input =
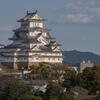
(31, 44)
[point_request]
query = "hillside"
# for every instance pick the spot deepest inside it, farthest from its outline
(75, 57)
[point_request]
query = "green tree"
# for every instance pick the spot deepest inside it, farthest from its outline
(27, 97)
(37, 98)
(91, 77)
(41, 70)
(11, 89)
(98, 98)
(53, 91)
(67, 96)
(56, 92)
(69, 79)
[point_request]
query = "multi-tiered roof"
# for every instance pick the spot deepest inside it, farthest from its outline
(32, 32)
(31, 44)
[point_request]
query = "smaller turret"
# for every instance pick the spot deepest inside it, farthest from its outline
(84, 65)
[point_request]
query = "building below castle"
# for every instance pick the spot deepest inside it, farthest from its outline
(84, 65)
(31, 43)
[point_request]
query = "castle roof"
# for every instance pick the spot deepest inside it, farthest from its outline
(32, 29)
(11, 46)
(1, 45)
(29, 17)
(54, 43)
(45, 48)
(31, 41)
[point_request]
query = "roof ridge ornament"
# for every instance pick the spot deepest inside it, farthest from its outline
(29, 13)
(35, 12)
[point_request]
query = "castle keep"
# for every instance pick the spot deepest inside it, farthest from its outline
(31, 43)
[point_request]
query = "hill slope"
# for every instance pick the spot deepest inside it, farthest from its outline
(75, 57)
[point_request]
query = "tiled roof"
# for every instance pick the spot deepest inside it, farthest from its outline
(45, 48)
(31, 41)
(28, 17)
(14, 46)
(1, 46)
(54, 43)
(32, 29)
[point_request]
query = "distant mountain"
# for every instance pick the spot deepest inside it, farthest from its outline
(75, 57)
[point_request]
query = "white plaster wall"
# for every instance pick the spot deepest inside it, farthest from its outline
(35, 33)
(46, 60)
(34, 55)
(36, 24)
(56, 49)
(36, 17)
(34, 59)
(44, 34)
(42, 40)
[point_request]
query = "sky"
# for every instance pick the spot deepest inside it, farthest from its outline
(75, 23)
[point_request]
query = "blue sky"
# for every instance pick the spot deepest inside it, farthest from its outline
(74, 23)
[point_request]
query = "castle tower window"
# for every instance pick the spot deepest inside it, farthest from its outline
(37, 58)
(58, 58)
(53, 58)
(48, 58)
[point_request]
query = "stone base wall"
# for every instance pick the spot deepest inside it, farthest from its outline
(15, 66)
(7, 64)
(20, 65)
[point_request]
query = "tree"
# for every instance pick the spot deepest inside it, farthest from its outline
(69, 79)
(27, 97)
(53, 91)
(67, 96)
(90, 79)
(98, 98)
(12, 89)
(42, 70)
(56, 92)
(37, 98)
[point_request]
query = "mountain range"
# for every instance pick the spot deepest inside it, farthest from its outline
(74, 57)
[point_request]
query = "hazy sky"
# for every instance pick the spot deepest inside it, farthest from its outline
(74, 23)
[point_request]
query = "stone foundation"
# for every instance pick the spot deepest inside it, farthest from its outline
(7, 65)
(20, 65)
(15, 66)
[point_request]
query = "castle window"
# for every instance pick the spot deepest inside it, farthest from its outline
(17, 58)
(37, 58)
(53, 58)
(48, 58)
(36, 24)
(8, 58)
(30, 33)
(24, 58)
